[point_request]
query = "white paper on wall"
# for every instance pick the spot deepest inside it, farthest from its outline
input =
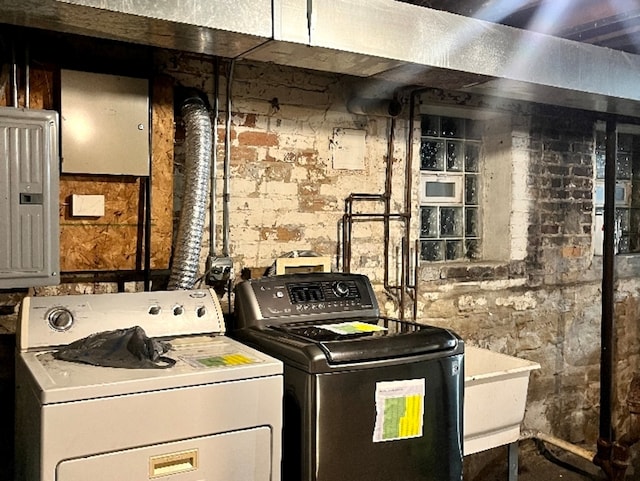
(348, 147)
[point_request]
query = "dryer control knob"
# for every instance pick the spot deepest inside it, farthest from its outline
(60, 319)
(340, 288)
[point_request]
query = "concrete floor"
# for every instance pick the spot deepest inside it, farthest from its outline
(533, 466)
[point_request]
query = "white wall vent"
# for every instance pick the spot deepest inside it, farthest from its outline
(29, 171)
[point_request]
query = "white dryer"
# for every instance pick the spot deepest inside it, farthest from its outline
(215, 415)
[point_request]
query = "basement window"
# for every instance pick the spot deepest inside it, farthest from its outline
(449, 216)
(627, 193)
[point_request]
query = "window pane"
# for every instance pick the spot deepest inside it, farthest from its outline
(451, 221)
(428, 222)
(623, 245)
(601, 161)
(601, 140)
(431, 250)
(454, 156)
(634, 222)
(450, 224)
(431, 155)
(452, 127)
(635, 165)
(473, 249)
(471, 157)
(454, 250)
(625, 142)
(623, 166)
(430, 125)
(474, 129)
(471, 222)
(622, 230)
(471, 189)
(635, 194)
(622, 220)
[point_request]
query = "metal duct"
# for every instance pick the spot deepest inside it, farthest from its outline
(186, 258)
(378, 39)
(379, 107)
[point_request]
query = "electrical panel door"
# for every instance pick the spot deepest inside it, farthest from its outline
(29, 226)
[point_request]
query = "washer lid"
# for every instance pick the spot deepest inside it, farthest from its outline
(373, 339)
(313, 348)
(199, 360)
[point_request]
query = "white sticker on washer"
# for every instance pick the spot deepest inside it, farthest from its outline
(399, 410)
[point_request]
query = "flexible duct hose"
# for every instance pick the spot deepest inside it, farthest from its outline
(186, 258)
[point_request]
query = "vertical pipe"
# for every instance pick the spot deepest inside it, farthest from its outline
(214, 157)
(387, 199)
(147, 198)
(14, 76)
(227, 163)
(608, 322)
(147, 232)
(27, 74)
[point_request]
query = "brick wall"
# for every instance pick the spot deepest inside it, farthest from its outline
(540, 302)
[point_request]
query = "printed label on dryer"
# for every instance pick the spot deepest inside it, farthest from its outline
(399, 410)
(234, 359)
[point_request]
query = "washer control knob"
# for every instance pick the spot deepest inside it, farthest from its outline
(178, 310)
(201, 311)
(60, 319)
(154, 310)
(340, 288)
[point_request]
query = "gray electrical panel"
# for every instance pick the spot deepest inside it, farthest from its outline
(105, 124)
(29, 226)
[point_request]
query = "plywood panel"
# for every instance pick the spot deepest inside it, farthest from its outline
(162, 173)
(105, 243)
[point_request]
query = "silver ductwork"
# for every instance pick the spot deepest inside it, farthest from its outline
(375, 39)
(186, 256)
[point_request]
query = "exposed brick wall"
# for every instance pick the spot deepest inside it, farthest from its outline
(542, 303)
(561, 181)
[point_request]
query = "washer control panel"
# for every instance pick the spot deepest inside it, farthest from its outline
(321, 295)
(57, 320)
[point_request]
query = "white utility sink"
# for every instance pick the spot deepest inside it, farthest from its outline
(495, 394)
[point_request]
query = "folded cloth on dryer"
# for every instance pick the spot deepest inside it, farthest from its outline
(126, 348)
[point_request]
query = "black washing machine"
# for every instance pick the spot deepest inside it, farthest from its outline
(366, 397)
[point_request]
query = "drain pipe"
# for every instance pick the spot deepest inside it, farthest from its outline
(186, 257)
(605, 442)
(560, 443)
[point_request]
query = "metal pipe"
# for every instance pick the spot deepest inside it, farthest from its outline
(192, 217)
(560, 443)
(608, 263)
(214, 158)
(227, 163)
(387, 200)
(613, 457)
(380, 107)
(605, 443)
(27, 74)
(147, 199)
(14, 76)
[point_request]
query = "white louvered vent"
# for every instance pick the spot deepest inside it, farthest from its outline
(29, 227)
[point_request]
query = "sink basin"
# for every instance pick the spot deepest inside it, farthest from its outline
(495, 394)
